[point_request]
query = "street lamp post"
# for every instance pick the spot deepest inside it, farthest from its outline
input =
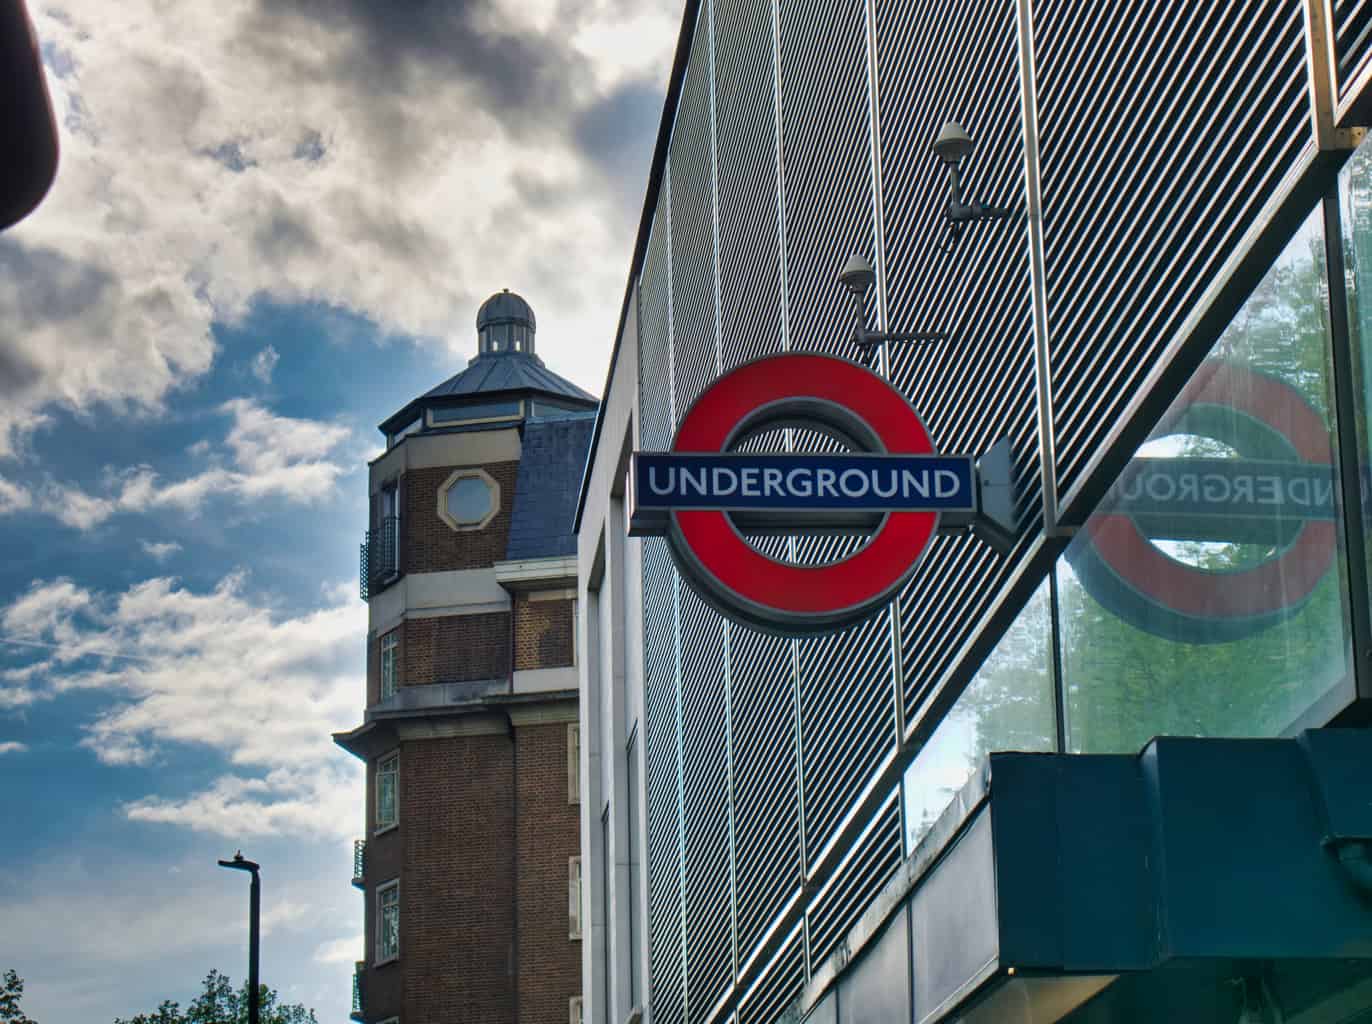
(254, 914)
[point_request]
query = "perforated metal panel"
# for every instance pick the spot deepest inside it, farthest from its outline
(778, 986)
(1352, 36)
(766, 799)
(874, 858)
(654, 339)
(693, 242)
(705, 796)
(662, 757)
(978, 385)
(745, 134)
(826, 164)
(847, 720)
(1137, 223)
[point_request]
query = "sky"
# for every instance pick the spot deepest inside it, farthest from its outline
(272, 225)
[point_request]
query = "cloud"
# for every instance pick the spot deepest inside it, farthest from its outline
(278, 685)
(264, 364)
(159, 551)
(12, 747)
(13, 497)
(346, 950)
(370, 156)
(296, 460)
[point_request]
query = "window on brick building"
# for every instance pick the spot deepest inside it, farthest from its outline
(574, 1010)
(573, 763)
(390, 658)
(574, 897)
(388, 922)
(469, 499)
(388, 791)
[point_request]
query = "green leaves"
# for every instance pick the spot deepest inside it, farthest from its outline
(11, 989)
(221, 1003)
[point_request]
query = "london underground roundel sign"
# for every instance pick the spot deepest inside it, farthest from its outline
(705, 496)
(1275, 494)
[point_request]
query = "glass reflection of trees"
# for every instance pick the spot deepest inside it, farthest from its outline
(1123, 685)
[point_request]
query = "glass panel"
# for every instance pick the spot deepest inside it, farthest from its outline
(469, 499)
(1206, 596)
(389, 646)
(1007, 706)
(410, 428)
(1355, 194)
(475, 411)
(390, 923)
(386, 773)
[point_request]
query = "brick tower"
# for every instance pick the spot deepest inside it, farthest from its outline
(470, 865)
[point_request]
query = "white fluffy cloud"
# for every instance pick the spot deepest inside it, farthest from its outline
(159, 551)
(398, 161)
(212, 670)
(269, 456)
(340, 951)
(13, 497)
(264, 364)
(12, 747)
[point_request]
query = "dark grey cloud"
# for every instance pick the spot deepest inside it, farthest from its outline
(423, 75)
(617, 132)
(310, 148)
(392, 48)
(284, 234)
(230, 155)
(41, 286)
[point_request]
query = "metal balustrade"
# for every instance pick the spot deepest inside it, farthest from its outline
(379, 557)
(359, 862)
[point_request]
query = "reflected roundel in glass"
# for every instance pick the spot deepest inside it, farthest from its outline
(470, 500)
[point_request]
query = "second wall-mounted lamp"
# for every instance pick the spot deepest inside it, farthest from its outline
(951, 146)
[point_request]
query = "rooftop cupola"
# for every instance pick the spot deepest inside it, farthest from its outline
(505, 323)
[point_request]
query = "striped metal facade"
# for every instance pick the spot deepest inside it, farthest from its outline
(1152, 137)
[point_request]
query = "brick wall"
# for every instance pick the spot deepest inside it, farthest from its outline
(549, 962)
(543, 633)
(383, 987)
(373, 669)
(428, 544)
(455, 648)
(456, 918)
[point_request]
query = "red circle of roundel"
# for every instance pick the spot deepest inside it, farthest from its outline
(1266, 588)
(854, 584)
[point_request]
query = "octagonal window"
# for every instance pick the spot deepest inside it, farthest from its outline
(468, 500)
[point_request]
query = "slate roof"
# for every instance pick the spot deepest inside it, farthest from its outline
(551, 462)
(507, 371)
(492, 373)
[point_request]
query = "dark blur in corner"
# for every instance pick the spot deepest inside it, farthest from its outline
(28, 133)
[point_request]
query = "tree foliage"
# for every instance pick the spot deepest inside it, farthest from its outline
(11, 991)
(221, 1003)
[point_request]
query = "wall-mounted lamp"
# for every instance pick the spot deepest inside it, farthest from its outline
(856, 277)
(951, 146)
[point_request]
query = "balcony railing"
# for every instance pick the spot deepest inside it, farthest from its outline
(357, 1013)
(379, 558)
(359, 862)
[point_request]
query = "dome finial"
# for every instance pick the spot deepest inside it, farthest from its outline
(505, 323)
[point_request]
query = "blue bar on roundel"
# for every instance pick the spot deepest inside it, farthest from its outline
(811, 482)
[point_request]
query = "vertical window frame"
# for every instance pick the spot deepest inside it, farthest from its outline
(382, 905)
(379, 825)
(390, 662)
(573, 762)
(574, 899)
